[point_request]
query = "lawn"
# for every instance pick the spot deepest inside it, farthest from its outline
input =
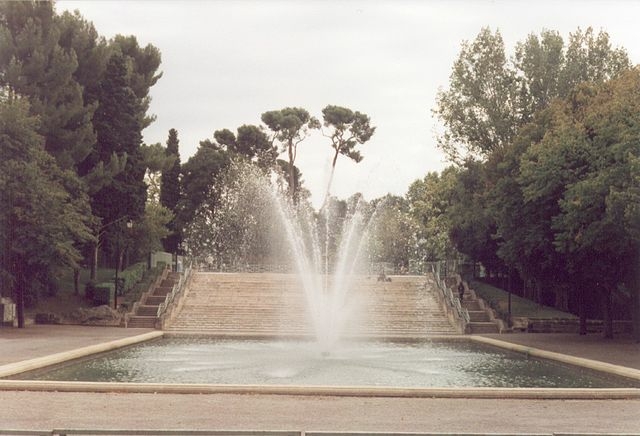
(520, 307)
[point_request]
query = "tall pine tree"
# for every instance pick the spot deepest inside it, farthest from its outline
(170, 192)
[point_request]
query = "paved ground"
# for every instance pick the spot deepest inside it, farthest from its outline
(252, 412)
(618, 351)
(41, 410)
(42, 340)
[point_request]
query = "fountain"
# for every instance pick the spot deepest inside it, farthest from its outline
(254, 215)
(251, 214)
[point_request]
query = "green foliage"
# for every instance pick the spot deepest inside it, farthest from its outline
(141, 72)
(490, 97)
(135, 292)
(35, 65)
(103, 293)
(250, 142)
(290, 126)
(119, 132)
(392, 232)
(346, 130)
(43, 208)
(130, 276)
(429, 200)
(237, 223)
(170, 193)
(199, 175)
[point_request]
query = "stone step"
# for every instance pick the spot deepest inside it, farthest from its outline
(147, 310)
(246, 303)
(142, 322)
(478, 316)
(471, 305)
(155, 300)
(482, 327)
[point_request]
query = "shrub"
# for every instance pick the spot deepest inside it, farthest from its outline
(103, 293)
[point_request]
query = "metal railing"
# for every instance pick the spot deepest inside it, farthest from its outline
(177, 289)
(451, 300)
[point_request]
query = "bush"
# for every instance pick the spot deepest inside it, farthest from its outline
(134, 293)
(103, 293)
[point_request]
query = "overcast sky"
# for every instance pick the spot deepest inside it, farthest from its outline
(226, 62)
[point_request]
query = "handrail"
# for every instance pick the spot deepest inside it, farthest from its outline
(177, 288)
(461, 312)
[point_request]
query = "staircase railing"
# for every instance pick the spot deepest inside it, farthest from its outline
(177, 289)
(461, 313)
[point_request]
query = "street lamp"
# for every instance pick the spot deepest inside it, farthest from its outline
(115, 289)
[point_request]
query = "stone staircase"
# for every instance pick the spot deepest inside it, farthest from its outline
(269, 304)
(479, 319)
(146, 313)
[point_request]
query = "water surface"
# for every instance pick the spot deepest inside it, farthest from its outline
(428, 364)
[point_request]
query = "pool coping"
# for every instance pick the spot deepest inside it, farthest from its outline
(351, 391)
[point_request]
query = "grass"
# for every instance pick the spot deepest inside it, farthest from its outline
(65, 283)
(66, 300)
(520, 307)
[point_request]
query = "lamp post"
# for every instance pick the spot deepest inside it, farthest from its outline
(115, 289)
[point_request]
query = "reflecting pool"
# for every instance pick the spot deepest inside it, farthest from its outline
(425, 364)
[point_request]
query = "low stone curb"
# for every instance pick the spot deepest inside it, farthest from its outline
(334, 391)
(53, 359)
(608, 368)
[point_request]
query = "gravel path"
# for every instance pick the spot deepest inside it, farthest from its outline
(22, 410)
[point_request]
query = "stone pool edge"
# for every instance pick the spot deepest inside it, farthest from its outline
(64, 356)
(596, 365)
(351, 391)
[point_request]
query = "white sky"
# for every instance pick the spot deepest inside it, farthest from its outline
(226, 62)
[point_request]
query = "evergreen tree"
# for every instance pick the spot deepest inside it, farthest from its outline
(35, 65)
(119, 133)
(170, 192)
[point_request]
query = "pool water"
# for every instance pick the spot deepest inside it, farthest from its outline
(249, 362)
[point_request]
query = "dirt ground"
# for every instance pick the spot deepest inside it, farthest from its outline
(29, 410)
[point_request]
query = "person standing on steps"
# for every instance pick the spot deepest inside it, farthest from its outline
(461, 291)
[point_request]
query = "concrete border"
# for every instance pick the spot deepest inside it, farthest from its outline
(53, 359)
(334, 391)
(595, 365)
(351, 391)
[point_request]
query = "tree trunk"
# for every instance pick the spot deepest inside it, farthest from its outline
(635, 311)
(607, 318)
(20, 284)
(94, 263)
(76, 281)
(292, 178)
(582, 312)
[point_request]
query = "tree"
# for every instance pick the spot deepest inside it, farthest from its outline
(472, 226)
(170, 192)
(490, 97)
(347, 129)
(393, 232)
(35, 65)
(236, 222)
(478, 109)
(141, 72)
(119, 134)
(199, 175)
(43, 209)
(428, 201)
(290, 126)
(250, 142)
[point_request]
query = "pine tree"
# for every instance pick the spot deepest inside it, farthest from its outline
(170, 192)
(33, 64)
(119, 134)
